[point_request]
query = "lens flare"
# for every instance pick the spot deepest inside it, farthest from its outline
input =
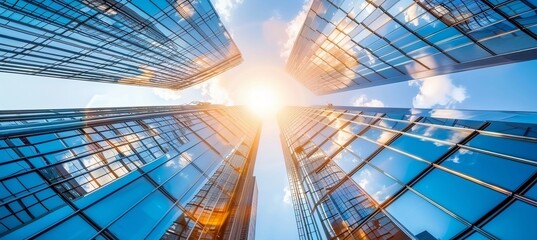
(263, 101)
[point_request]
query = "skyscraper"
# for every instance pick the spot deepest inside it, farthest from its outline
(127, 173)
(389, 173)
(168, 44)
(346, 45)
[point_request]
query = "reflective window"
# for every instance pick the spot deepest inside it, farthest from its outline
(329, 147)
(425, 217)
(193, 190)
(378, 135)
(449, 135)
(379, 186)
(425, 149)
(144, 216)
(73, 228)
(505, 173)
(160, 228)
(362, 148)
(461, 196)
(346, 160)
(517, 148)
(398, 165)
(170, 168)
(207, 161)
(476, 236)
(186, 177)
(529, 130)
(7, 154)
(109, 208)
(532, 193)
(351, 203)
(515, 222)
(498, 44)
(380, 227)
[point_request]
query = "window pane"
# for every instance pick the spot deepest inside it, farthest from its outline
(144, 216)
(494, 170)
(425, 149)
(362, 148)
(458, 195)
(182, 181)
(115, 204)
(477, 236)
(170, 168)
(378, 135)
(346, 160)
(378, 185)
(74, 228)
(532, 193)
(351, 202)
(517, 148)
(398, 165)
(380, 227)
(449, 135)
(423, 218)
(516, 222)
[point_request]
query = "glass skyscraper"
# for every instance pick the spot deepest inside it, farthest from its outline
(349, 44)
(128, 173)
(168, 44)
(389, 173)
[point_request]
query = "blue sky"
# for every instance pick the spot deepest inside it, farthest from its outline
(263, 31)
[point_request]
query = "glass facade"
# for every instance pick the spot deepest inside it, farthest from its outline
(169, 44)
(388, 173)
(125, 173)
(243, 217)
(350, 44)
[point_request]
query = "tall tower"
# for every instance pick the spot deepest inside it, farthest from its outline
(389, 173)
(347, 45)
(127, 173)
(168, 44)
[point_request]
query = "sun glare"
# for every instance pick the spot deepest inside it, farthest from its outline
(263, 101)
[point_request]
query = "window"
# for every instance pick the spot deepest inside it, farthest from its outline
(109, 208)
(362, 148)
(144, 216)
(379, 186)
(502, 172)
(449, 135)
(532, 193)
(529, 130)
(422, 148)
(423, 217)
(380, 227)
(351, 203)
(182, 181)
(400, 166)
(515, 222)
(517, 148)
(346, 160)
(464, 198)
(73, 228)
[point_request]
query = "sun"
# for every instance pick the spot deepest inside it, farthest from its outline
(263, 101)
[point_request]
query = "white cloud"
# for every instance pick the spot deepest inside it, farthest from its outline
(363, 101)
(167, 94)
(437, 92)
(293, 29)
(214, 92)
(455, 159)
(287, 195)
(186, 9)
(364, 178)
(224, 7)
